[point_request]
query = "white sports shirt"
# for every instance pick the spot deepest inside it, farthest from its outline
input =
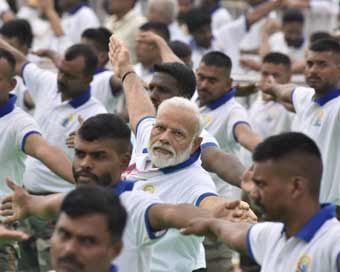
(315, 248)
(320, 120)
(57, 120)
(186, 182)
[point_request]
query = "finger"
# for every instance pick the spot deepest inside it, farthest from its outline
(7, 213)
(232, 204)
(7, 199)
(244, 205)
(9, 219)
(80, 120)
(6, 206)
(11, 184)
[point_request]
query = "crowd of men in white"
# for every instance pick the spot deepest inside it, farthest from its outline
(135, 138)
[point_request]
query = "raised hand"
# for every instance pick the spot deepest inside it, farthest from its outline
(235, 211)
(14, 206)
(200, 227)
(119, 57)
(71, 137)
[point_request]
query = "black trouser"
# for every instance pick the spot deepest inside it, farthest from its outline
(338, 212)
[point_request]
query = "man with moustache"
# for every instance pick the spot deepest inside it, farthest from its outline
(305, 235)
(102, 152)
(167, 160)
(318, 109)
(59, 99)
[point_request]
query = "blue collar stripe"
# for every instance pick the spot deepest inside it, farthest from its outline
(100, 70)
(123, 186)
(8, 106)
(113, 269)
(222, 100)
(315, 223)
(75, 9)
(213, 9)
(81, 99)
(327, 97)
(249, 249)
(193, 158)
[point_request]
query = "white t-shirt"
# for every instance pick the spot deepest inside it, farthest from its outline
(183, 183)
(316, 247)
(76, 21)
(269, 118)
(320, 120)
(138, 237)
(220, 17)
(220, 118)
(278, 43)
(15, 127)
(229, 37)
(57, 120)
(113, 100)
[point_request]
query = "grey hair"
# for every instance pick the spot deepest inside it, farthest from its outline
(186, 104)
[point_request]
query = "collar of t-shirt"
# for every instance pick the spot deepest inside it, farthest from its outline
(80, 100)
(8, 106)
(213, 9)
(315, 223)
(100, 70)
(148, 167)
(76, 8)
(122, 186)
(222, 100)
(113, 269)
(327, 97)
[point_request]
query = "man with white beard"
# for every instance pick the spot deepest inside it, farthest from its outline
(167, 161)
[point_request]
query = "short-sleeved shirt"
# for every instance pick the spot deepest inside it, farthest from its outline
(186, 182)
(316, 247)
(320, 120)
(269, 118)
(75, 21)
(101, 88)
(57, 119)
(15, 126)
(138, 236)
(220, 118)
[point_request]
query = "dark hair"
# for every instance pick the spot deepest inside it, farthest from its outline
(326, 45)
(4, 54)
(293, 16)
(158, 28)
(106, 126)
(100, 36)
(181, 49)
(196, 18)
(184, 76)
(90, 200)
(85, 51)
(218, 59)
(318, 35)
(282, 146)
(277, 58)
(20, 29)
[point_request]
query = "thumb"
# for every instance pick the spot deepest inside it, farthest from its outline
(80, 119)
(11, 184)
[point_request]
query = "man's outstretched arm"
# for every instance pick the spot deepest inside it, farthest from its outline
(233, 234)
(138, 102)
(21, 204)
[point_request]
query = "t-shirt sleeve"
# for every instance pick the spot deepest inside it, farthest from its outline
(143, 132)
(208, 139)
(260, 237)
(301, 97)
(37, 80)
(237, 116)
(138, 205)
(25, 126)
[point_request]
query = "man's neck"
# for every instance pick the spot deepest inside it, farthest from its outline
(121, 14)
(321, 92)
(300, 217)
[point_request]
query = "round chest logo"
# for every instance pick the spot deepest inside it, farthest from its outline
(304, 264)
(149, 188)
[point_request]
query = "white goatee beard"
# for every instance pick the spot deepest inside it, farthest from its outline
(161, 161)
